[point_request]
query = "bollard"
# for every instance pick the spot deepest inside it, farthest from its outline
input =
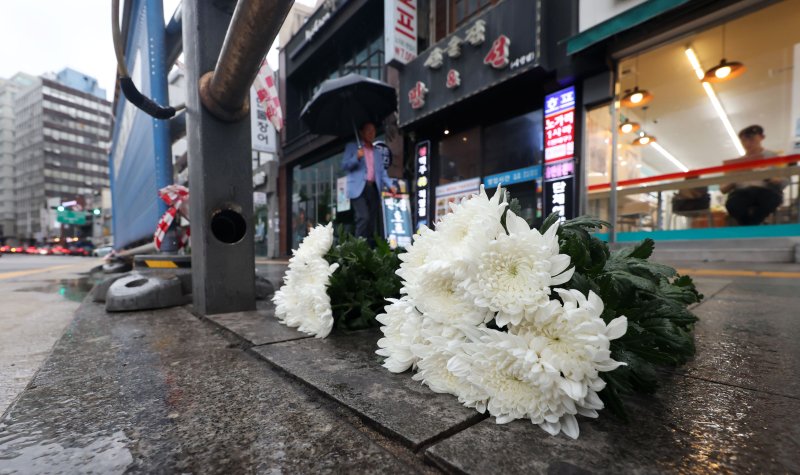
(218, 135)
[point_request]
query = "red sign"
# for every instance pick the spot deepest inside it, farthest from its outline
(498, 55)
(559, 136)
(416, 96)
(453, 79)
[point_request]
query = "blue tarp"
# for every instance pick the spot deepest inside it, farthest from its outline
(140, 161)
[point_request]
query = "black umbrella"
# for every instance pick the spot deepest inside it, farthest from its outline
(341, 104)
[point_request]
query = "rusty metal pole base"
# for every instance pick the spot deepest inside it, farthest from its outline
(217, 108)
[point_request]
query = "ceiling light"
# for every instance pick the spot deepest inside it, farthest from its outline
(447, 131)
(669, 156)
(724, 71)
(636, 98)
(643, 139)
(715, 103)
(627, 127)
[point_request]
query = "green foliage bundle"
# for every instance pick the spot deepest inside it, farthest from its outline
(652, 296)
(364, 280)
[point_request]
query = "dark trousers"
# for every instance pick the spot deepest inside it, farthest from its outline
(367, 208)
(751, 206)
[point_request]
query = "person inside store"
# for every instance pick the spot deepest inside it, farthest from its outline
(366, 178)
(750, 202)
(300, 227)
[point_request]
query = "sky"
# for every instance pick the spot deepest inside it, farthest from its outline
(40, 36)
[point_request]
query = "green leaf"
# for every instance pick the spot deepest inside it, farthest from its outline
(651, 295)
(643, 250)
(365, 278)
(587, 223)
(549, 221)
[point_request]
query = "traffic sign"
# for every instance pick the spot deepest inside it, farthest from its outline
(69, 216)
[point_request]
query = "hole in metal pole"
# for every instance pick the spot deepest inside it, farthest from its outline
(228, 226)
(136, 283)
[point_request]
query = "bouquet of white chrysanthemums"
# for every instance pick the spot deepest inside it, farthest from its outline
(522, 323)
(303, 300)
(343, 285)
(542, 355)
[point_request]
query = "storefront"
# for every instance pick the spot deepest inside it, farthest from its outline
(341, 37)
(473, 103)
(694, 133)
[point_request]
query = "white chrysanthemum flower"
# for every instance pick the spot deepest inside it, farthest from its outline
(303, 301)
(425, 245)
(439, 297)
(574, 340)
(402, 330)
(514, 381)
(470, 225)
(317, 243)
(434, 372)
(514, 273)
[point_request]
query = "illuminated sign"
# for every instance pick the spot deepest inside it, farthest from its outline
(559, 197)
(559, 125)
(397, 220)
(400, 30)
(513, 177)
(559, 153)
(421, 181)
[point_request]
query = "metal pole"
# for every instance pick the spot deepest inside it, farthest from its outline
(220, 176)
(612, 197)
(254, 26)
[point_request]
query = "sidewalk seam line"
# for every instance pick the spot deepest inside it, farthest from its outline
(723, 383)
(708, 298)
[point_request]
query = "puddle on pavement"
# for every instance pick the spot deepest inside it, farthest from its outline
(71, 289)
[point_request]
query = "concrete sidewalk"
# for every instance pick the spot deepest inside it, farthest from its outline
(165, 391)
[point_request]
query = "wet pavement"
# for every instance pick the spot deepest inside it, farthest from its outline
(165, 391)
(39, 297)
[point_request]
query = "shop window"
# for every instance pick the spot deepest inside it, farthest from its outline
(459, 156)
(314, 196)
(516, 146)
(691, 123)
(513, 144)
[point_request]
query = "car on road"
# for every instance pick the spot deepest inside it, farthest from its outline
(102, 251)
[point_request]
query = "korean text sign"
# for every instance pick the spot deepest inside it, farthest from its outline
(559, 125)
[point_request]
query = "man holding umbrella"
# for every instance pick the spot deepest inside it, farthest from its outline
(366, 177)
(338, 106)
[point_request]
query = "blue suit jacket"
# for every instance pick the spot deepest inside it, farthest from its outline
(357, 171)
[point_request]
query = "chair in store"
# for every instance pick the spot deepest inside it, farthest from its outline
(635, 215)
(692, 203)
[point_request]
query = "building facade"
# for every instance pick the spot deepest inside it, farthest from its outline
(341, 37)
(667, 90)
(474, 105)
(8, 91)
(60, 154)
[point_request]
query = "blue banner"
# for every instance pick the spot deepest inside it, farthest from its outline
(512, 177)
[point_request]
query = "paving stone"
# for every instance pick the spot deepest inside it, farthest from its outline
(709, 288)
(258, 327)
(747, 336)
(163, 392)
(345, 367)
(688, 426)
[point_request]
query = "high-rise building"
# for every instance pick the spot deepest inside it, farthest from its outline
(8, 90)
(62, 125)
